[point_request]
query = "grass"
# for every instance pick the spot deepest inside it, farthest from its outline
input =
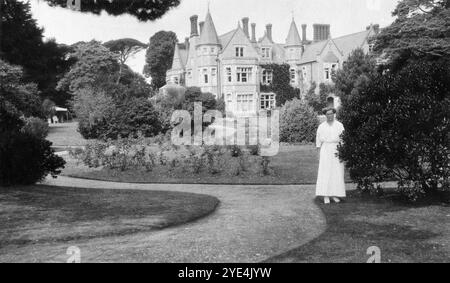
(66, 134)
(292, 165)
(43, 214)
(404, 232)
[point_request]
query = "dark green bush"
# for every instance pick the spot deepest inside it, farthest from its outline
(397, 126)
(26, 159)
(298, 122)
(36, 127)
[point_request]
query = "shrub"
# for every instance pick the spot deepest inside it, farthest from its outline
(36, 127)
(298, 122)
(135, 115)
(318, 101)
(26, 159)
(397, 126)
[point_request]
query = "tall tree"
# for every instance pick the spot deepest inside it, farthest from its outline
(124, 48)
(159, 56)
(143, 10)
(421, 30)
(22, 44)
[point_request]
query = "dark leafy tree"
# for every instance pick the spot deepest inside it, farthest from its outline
(143, 10)
(124, 48)
(22, 44)
(319, 101)
(159, 57)
(397, 126)
(421, 30)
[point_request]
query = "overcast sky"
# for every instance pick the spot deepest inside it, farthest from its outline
(344, 16)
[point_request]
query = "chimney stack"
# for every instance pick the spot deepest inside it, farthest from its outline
(201, 26)
(245, 26)
(269, 31)
(321, 32)
(253, 32)
(186, 43)
(194, 30)
(304, 32)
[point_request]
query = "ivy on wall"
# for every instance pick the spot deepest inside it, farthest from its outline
(280, 83)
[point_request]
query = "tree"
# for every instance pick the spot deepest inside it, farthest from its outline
(397, 126)
(357, 71)
(22, 44)
(281, 83)
(159, 56)
(143, 10)
(421, 30)
(319, 101)
(124, 48)
(48, 106)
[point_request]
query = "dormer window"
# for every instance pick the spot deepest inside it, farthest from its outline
(239, 51)
(266, 52)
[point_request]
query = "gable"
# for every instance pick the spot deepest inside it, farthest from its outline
(239, 39)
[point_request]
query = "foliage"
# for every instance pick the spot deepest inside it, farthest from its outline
(48, 107)
(357, 71)
(26, 159)
(133, 116)
(420, 31)
(22, 44)
(92, 108)
(22, 98)
(143, 10)
(298, 122)
(281, 83)
(36, 127)
(124, 48)
(159, 57)
(398, 126)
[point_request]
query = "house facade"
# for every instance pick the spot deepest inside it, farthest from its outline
(230, 66)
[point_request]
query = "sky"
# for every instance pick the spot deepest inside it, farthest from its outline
(344, 16)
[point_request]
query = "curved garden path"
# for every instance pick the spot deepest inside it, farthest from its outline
(251, 224)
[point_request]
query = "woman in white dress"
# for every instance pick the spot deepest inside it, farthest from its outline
(330, 179)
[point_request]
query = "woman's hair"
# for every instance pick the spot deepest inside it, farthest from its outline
(325, 110)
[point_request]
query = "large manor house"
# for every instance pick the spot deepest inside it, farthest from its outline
(230, 66)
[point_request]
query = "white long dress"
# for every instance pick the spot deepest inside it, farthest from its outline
(330, 179)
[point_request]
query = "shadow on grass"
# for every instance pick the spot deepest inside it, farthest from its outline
(403, 232)
(43, 214)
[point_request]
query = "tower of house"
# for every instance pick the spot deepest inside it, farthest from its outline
(293, 51)
(191, 64)
(208, 47)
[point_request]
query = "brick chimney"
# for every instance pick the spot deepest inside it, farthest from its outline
(269, 31)
(201, 26)
(194, 30)
(321, 32)
(304, 32)
(253, 32)
(245, 26)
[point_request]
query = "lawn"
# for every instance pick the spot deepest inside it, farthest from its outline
(403, 232)
(65, 134)
(294, 164)
(43, 214)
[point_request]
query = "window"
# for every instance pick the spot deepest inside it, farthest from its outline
(213, 72)
(244, 74)
(205, 76)
(329, 70)
(213, 50)
(175, 80)
(305, 75)
(189, 74)
(229, 99)
(267, 77)
(267, 101)
(244, 102)
(292, 76)
(228, 74)
(239, 51)
(371, 47)
(205, 50)
(266, 52)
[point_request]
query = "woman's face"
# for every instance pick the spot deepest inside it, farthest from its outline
(330, 116)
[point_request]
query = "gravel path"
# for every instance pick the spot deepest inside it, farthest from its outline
(251, 224)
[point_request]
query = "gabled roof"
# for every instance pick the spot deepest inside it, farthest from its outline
(225, 38)
(293, 38)
(265, 40)
(350, 42)
(330, 58)
(209, 34)
(312, 51)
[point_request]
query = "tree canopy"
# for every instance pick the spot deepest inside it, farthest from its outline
(143, 10)
(421, 30)
(159, 56)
